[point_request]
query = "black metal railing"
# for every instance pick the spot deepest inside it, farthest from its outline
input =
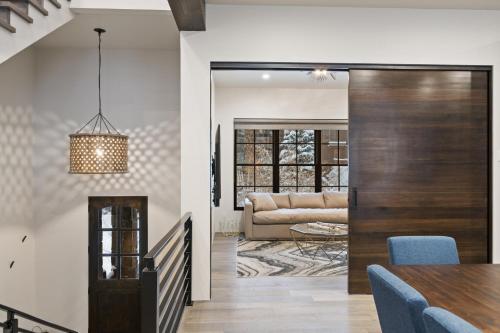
(166, 279)
(11, 325)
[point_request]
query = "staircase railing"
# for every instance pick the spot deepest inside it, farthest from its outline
(166, 279)
(11, 325)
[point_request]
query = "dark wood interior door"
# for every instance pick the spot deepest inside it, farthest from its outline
(419, 162)
(117, 243)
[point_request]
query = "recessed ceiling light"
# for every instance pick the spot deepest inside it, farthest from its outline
(266, 76)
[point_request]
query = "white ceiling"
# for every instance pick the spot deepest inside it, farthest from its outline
(429, 4)
(124, 30)
(277, 79)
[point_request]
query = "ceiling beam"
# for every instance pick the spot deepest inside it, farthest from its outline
(189, 14)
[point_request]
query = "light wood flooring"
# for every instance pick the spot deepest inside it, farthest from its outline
(276, 304)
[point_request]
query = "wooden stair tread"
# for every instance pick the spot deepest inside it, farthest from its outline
(20, 7)
(55, 3)
(13, 8)
(39, 6)
(5, 20)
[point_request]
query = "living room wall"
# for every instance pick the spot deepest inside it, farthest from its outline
(140, 92)
(268, 103)
(315, 34)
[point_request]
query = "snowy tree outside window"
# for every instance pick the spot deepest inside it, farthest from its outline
(301, 155)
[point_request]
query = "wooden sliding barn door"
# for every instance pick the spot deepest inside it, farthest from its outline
(418, 150)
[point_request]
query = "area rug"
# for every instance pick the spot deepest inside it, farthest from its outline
(283, 258)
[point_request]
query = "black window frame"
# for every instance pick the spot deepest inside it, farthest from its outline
(317, 164)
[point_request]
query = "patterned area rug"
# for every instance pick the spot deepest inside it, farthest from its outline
(283, 258)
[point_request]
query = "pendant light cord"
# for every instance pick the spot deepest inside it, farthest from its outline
(99, 120)
(99, 75)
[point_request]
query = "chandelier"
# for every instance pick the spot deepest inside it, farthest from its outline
(322, 75)
(98, 147)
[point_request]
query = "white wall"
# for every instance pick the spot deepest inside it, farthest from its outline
(17, 285)
(269, 103)
(141, 98)
(309, 34)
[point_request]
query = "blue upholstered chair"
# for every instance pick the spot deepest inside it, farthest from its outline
(439, 320)
(422, 250)
(399, 306)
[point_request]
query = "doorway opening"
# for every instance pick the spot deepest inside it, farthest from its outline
(404, 127)
(281, 171)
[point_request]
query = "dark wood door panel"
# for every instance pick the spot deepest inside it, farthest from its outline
(117, 243)
(117, 303)
(419, 162)
(424, 199)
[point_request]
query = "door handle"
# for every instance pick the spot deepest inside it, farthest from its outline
(354, 197)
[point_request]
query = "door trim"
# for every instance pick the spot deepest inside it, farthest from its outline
(228, 65)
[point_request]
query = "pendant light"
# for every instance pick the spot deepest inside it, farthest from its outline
(98, 147)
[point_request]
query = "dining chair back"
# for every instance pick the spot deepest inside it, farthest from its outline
(422, 250)
(438, 320)
(399, 306)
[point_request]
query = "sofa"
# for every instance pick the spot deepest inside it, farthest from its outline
(269, 216)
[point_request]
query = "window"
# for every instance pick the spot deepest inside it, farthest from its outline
(301, 160)
(334, 161)
(253, 162)
(296, 161)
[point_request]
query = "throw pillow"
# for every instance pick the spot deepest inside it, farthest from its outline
(281, 199)
(335, 199)
(262, 202)
(307, 200)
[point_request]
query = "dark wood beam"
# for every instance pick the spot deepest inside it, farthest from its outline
(189, 14)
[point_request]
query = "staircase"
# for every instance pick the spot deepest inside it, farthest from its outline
(23, 22)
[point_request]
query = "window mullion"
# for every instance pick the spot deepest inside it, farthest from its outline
(276, 161)
(317, 161)
(296, 160)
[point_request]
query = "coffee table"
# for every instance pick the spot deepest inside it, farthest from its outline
(312, 238)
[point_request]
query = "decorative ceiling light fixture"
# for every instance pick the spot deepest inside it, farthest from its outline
(98, 147)
(322, 75)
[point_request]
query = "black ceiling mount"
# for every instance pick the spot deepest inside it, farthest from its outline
(99, 30)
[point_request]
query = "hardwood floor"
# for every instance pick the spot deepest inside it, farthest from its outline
(276, 304)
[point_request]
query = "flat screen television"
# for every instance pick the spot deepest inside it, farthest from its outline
(216, 189)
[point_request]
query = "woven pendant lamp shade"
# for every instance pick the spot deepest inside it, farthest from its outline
(98, 147)
(98, 153)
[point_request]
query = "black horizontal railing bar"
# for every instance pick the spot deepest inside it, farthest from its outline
(35, 319)
(173, 266)
(164, 301)
(152, 262)
(166, 308)
(168, 255)
(164, 241)
(179, 309)
(19, 329)
(174, 247)
(171, 309)
(179, 284)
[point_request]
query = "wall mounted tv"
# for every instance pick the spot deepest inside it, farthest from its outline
(216, 189)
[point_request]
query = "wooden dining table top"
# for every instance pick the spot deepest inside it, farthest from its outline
(471, 291)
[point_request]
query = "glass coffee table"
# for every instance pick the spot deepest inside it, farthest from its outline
(315, 237)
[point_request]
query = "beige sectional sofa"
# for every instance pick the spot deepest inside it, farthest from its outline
(270, 215)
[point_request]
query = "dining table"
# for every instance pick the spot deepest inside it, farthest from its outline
(470, 291)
